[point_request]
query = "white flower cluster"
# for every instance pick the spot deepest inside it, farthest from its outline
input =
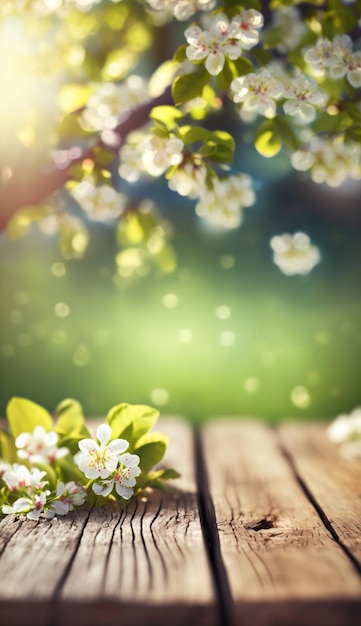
(259, 92)
(108, 464)
(151, 154)
(330, 161)
(101, 203)
(36, 500)
(47, 7)
(111, 101)
(223, 39)
(40, 446)
(302, 95)
(294, 254)
(223, 203)
(346, 430)
(336, 59)
(290, 27)
(182, 9)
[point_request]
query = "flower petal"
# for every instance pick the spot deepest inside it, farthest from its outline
(118, 446)
(103, 489)
(124, 492)
(129, 460)
(104, 433)
(215, 62)
(86, 445)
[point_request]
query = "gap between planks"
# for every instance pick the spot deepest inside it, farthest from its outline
(280, 561)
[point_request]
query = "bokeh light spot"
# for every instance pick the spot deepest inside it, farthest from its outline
(227, 261)
(223, 312)
(58, 269)
(159, 397)
(81, 356)
(227, 338)
(61, 309)
(185, 335)
(251, 384)
(170, 300)
(300, 397)
(22, 298)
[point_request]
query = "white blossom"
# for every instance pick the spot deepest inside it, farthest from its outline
(130, 162)
(188, 180)
(346, 430)
(40, 446)
(21, 477)
(33, 505)
(99, 461)
(294, 254)
(4, 467)
(101, 202)
(222, 39)
(69, 495)
(182, 9)
(111, 101)
(337, 58)
(330, 161)
(302, 94)
(222, 204)
(123, 478)
(160, 153)
(290, 27)
(257, 92)
(246, 26)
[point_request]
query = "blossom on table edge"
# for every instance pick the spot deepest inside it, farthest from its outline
(99, 461)
(346, 431)
(123, 478)
(40, 446)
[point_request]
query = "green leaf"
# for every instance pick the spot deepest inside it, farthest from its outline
(69, 471)
(268, 144)
(193, 134)
(326, 123)
(131, 421)
(151, 448)
(70, 425)
(166, 116)
(162, 77)
(219, 147)
(189, 86)
(24, 415)
(180, 54)
(7, 447)
(282, 126)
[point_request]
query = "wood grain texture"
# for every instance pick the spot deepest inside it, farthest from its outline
(334, 482)
(282, 564)
(105, 567)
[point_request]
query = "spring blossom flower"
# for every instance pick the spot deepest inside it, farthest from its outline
(100, 460)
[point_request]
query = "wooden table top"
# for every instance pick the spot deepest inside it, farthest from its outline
(262, 529)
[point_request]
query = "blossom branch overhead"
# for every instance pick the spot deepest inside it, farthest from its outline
(291, 73)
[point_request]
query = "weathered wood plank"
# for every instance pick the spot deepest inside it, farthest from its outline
(108, 567)
(283, 566)
(333, 481)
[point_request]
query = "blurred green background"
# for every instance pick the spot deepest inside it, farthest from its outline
(225, 334)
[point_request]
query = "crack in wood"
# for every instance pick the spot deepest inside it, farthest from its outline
(318, 508)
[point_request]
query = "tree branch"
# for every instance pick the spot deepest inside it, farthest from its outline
(26, 188)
